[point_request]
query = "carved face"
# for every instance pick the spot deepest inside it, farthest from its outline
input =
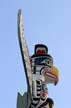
(43, 69)
(41, 62)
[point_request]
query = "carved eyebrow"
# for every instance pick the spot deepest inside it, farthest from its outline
(42, 64)
(49, 58)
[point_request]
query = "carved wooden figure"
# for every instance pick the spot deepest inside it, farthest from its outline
(39, 71)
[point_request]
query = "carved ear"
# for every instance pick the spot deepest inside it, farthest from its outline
(19, 101)
(22, 100)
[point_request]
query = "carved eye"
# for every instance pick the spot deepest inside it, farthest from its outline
(47, 62)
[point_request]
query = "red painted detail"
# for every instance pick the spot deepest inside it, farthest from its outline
(40, 52)
(44, 104)
(44, 94)
(49, 74)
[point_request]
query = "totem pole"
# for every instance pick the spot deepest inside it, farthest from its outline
(39, 72)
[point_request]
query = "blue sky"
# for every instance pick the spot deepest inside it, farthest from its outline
(47, 22)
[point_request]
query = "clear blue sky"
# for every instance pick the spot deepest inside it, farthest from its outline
(45, 21)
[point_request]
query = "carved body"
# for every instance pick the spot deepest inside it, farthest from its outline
(41, 63)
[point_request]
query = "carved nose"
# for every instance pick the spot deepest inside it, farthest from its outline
(55, 72)
(51, 75)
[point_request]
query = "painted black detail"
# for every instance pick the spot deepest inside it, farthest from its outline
(48, 101)
(41, 45)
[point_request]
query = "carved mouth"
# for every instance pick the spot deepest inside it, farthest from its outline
(51, 76)
(43, 94)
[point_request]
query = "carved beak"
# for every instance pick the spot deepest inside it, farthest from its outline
(52, 76)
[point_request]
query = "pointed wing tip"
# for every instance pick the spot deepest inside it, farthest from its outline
(19, 16)
(19, 12)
